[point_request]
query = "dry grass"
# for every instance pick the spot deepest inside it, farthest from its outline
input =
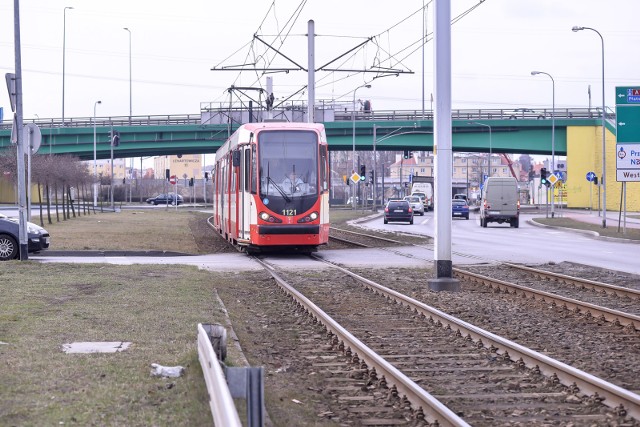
(157, 308)
(610, 231)
(126, 230)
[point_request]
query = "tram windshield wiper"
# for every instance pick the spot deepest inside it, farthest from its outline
(280, 190)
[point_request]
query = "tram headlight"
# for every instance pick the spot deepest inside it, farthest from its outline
(308, 218)
(269, 218)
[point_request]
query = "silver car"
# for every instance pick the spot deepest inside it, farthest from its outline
(416, 204)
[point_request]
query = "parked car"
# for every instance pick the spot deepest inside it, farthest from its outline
(416, 204)
(165, 199)
(398, 210)
(38, 238)
(459, 209)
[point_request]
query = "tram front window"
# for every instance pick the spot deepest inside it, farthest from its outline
(288, 170)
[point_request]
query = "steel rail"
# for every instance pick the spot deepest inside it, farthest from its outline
(384, 239)
(614, 396)
(610, 315)
(578, 281)
(419, 398)
(348, 242)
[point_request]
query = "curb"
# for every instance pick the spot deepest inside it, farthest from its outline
(110, 254)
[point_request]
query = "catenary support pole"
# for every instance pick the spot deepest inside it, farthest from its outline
(444, 280)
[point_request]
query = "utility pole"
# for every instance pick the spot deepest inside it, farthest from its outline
(17, 123)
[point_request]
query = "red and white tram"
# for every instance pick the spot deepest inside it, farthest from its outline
(271, 187)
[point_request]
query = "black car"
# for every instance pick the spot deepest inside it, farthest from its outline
(398, 210)
(165, 199)
(38, 238)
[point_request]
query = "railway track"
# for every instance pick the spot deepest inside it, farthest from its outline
(615, 304)
(592, 305)
(468, 369)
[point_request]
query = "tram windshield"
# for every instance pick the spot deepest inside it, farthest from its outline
(288, 167)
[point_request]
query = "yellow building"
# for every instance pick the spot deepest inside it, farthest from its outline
(103, 168)
(466, 166)
(584, 149)
(183, 166)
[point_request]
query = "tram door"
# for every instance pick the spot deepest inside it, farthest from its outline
(244, 222)
(223, 195)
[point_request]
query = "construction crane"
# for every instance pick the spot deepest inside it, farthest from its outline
(510, 163)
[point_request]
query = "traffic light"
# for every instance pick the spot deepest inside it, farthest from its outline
(595, 180)
(371, 177)
(543, 177)
(363, 171)
(206, 176)
(167, 173)
(407, 154)
(190, 182)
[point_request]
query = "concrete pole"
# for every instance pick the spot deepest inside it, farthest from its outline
(444, 280)
(374, 181)
(22, 194)
(269, 92)
(64, 49)
(311, 73)
(95, 162)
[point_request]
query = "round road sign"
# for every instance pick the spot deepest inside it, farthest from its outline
(173, 180)
(590, 176)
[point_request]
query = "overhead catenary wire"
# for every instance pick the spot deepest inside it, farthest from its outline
(382, 55)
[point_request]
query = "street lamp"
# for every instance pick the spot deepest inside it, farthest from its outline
(64, 43)
(553, 132)
(604, 139)
(95, 163)
(130, 109)
(353, 119)
(482, 124)
(130, 96)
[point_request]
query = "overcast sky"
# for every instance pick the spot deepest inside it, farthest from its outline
(176, 43)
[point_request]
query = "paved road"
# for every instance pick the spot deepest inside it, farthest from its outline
(530, 243)
(471, 244)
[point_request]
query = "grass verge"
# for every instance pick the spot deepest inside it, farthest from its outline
(157, 308)
(127, 230)
(610, 231)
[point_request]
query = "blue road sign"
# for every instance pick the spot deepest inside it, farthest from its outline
(590, 176)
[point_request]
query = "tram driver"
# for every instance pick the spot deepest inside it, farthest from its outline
(292, 183)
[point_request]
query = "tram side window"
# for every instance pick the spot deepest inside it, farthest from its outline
(254, 169)
(323, 168)
(246, 171)
(233, 178)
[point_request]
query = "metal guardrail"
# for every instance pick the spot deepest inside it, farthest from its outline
(222, 406)
(220, 116)
(224, 384)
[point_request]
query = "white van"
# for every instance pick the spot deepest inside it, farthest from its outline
(500, 202)
(424, 190)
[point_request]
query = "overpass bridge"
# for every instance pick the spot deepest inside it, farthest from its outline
(521, 130)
